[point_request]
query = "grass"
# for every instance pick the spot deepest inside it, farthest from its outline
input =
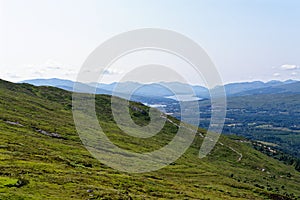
(37, 166)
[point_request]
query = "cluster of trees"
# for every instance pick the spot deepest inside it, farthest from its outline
(278, 154)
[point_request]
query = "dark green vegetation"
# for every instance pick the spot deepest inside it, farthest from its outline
(272, 118)
(273, 151)
(41, 157)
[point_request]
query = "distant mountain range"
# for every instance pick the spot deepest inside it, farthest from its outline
(168, 89)
(164, 89)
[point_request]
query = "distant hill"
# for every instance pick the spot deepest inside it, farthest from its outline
(246, 88)
(42, 157)
(285, 88)
(50, 82)
(147, 90)
(63, 84)
(166, 89)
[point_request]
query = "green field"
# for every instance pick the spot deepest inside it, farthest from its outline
(42, 157)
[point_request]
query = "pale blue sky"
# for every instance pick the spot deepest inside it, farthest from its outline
(247, 40)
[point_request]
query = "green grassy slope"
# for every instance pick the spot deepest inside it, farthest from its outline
(37, 164)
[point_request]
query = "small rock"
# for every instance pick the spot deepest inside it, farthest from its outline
(13, 123)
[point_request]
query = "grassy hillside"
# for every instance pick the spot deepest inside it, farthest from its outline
(41, 157)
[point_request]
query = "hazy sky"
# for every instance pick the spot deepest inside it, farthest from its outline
(247, 40)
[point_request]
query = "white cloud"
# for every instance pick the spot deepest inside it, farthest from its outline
(53, 67)
(11, 75)
(276, 74)
(48, 69)
(289, 67)
(112, 71)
